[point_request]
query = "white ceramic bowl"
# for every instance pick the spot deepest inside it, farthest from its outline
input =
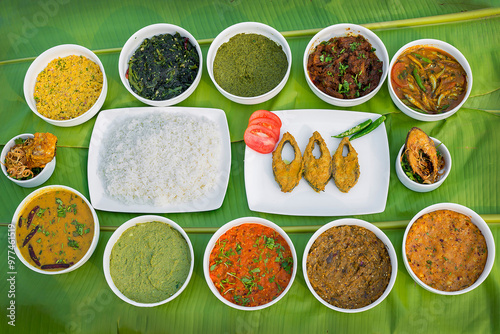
(44, 175)
(136, 40)
(117, 234)
(41, 62)
(448, 48)
(249, 28)
(92, 247)
(478, 221)
(224, 229)
(381, 235)
(420, 187)
(342, 30)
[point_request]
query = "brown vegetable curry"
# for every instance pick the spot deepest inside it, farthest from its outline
(429, 80)
(345, 67)
(55, 229)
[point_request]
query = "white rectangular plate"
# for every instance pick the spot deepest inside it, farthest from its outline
(369, 195)
(102, 201)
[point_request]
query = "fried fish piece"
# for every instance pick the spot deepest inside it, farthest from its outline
(287, 175)
(422, 155)
(345, 170)
(41, 150)
(317, 171)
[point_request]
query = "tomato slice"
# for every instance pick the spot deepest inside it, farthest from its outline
(399, 75)
(265, 113)
(260, 139)
(269, 123)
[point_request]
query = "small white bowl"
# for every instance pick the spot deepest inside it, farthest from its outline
(41, 62)
(223, 229)
(117, 234)
(478, 221)
(420, 187)
(249, 28)
(343, 30)
(92, 247)
(43, 176)
(451, 50)
(381, 235)
(136, 40)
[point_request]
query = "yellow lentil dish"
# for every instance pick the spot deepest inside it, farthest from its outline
(446, 250)
(54, 230)
(68, 87)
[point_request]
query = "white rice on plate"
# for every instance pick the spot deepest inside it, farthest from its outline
(160, 159)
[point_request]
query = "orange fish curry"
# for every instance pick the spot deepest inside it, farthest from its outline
(54, 230)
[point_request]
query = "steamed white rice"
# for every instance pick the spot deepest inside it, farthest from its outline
(160, 158)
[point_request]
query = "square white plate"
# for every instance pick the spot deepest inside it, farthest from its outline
(102, 201)
(369, 195)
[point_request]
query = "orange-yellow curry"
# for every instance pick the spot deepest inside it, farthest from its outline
(251, 264)
(446, 250)
(55, 230)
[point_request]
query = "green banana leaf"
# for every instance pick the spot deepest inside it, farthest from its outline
(82, 302)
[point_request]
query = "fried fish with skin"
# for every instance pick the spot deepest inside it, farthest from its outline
(42, 150)
(287, 175)
(317, 171)
(345, 170)
(421, 154)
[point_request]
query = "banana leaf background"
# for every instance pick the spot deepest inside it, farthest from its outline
(82, 302)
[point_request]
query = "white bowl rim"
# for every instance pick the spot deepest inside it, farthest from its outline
(366, 33)
(223, 229)
(476, 220)
(441, 147)
(92, 246)
(25, 183)
(446, 47)
(228, 33)
(136, 38)
(380, 234)
(116, 236)
(66, 122)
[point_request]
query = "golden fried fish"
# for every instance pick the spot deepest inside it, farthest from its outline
(317, 171)
(41, 150)
(422, 155)
(345, 169)
(287, 175)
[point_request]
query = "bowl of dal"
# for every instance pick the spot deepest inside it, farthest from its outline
(249, 62)
(175, 57)
(148, 261)
(66, 85)
(448, 249)
(56, 230)
(370, 266)
(250, 263)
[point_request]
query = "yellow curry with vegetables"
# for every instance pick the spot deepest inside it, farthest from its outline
(55, 230)
(429, 80)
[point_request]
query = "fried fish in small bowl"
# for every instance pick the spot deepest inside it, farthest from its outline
(29, 160)
(423, 162)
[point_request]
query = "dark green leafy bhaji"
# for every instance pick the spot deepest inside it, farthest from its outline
(163, 67)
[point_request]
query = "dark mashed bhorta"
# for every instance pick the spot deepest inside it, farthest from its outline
(163, 67)
(348, 266)
(345, 67)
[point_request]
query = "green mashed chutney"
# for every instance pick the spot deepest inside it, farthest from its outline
(150, 262)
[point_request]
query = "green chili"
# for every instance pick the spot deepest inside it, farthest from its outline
(369, 128)
(418, 79)
(427, 60)
(354, 129)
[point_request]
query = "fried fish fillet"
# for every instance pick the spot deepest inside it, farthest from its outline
(42, 150)
(287, 175)
(317, 171)
(422, 155)
(345, 170)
